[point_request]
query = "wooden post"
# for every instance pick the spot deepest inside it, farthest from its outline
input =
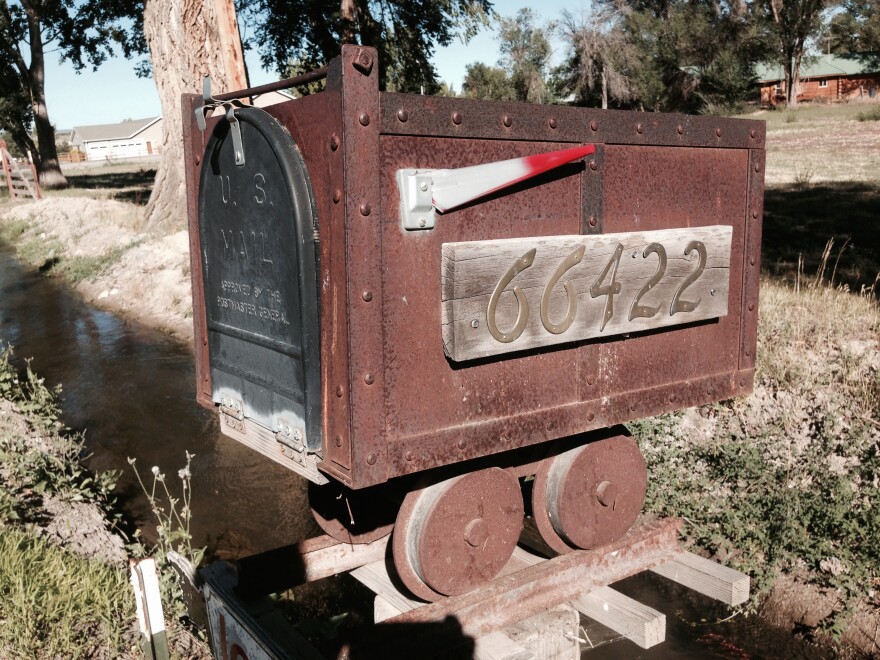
(6, 171)
(145, 583)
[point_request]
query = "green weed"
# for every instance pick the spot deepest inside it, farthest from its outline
(873, 114)
(12, 230)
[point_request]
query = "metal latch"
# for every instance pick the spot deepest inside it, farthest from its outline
(423, 193)
(229, 107)
(292, 441)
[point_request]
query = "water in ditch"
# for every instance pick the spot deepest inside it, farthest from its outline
(131, 389)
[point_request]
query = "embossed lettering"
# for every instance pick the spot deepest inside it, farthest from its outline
(260, 197)
(225, 189)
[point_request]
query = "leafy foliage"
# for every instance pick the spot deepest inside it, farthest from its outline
(405, 33)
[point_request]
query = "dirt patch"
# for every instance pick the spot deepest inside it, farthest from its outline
(97, 245)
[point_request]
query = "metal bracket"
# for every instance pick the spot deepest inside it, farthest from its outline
(292, 441)
(209, 103)
(416, 205)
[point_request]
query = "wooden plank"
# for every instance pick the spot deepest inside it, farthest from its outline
(707, 577)
(390, 602)
(619, 283)
(551, 635)
(639, 623)
(527, 592)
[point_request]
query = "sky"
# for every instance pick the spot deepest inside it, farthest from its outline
(114, 93)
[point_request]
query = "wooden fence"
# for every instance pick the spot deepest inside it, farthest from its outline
(21, 182)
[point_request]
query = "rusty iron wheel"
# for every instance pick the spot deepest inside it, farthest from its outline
(590, 496)
(351, 516)
(458, 534)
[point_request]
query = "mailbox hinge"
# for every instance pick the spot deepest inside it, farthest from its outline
(292, 441)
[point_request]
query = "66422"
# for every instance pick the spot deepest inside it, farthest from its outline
(516, 294)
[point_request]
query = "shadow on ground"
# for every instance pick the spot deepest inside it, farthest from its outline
(800, 220)
(132, 187)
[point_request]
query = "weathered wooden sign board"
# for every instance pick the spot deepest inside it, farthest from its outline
(509, 295)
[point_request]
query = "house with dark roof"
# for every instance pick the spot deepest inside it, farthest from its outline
(824, 78)
(127, 139)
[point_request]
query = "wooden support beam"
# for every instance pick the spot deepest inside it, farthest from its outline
(530, 591)
(639, 623)
(706, 577)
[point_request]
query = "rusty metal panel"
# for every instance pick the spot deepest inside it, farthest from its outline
(407, 114)
(193, 148)
(752, 259)
(361, 122)
(464, 394)
(655, 187)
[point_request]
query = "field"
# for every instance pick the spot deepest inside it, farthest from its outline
(792, 469)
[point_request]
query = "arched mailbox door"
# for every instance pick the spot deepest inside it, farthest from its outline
(257, 225)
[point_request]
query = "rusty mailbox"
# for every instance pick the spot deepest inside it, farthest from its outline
(389, 284)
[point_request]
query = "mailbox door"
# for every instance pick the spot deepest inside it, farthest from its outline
(257, 225)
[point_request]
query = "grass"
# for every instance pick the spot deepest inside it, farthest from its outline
(54, 603)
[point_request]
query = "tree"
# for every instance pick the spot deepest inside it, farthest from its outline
(598, 51)
(482, 81)
(855, 29)
(792, 23)
(16, 114)
(525, 55)
(404, 32)
(187, 41)
(79, 30)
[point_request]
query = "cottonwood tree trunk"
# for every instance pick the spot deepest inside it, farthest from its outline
(48, 168)
(188, 39)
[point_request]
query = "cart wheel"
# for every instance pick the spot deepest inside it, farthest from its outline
(351, 516)
(589, 496)
(458, 534)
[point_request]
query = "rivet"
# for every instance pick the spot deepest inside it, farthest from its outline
(590, 416)
(593, 221)
(461, 444)
(671, 398)
(367, 296)
(751, 307)
(365, 209)
(339, 390)
(506, 120)
(409, 455)
(755, 215)
(717, 132)
(752, 261)
(711, 292)
(594, 125)
(423, 223)
(371, 459)
(632, 407)
(748, 352)
(475, 323)
(552, 123)
(364, 119)
(423, 186)
(753, 133)
(369, 379)
(456, 117)
(710, 391)
(402, 115)
(338, 440)
(590, 381)
(680, 129)
(639, 128)
(334, 142)
(757, 167)
(742, 383)
(198, 160)
(337, 195)
(593, 165)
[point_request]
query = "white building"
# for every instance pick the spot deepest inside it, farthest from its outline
(128, 139)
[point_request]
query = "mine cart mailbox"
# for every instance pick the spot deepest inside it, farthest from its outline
(385, 284)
